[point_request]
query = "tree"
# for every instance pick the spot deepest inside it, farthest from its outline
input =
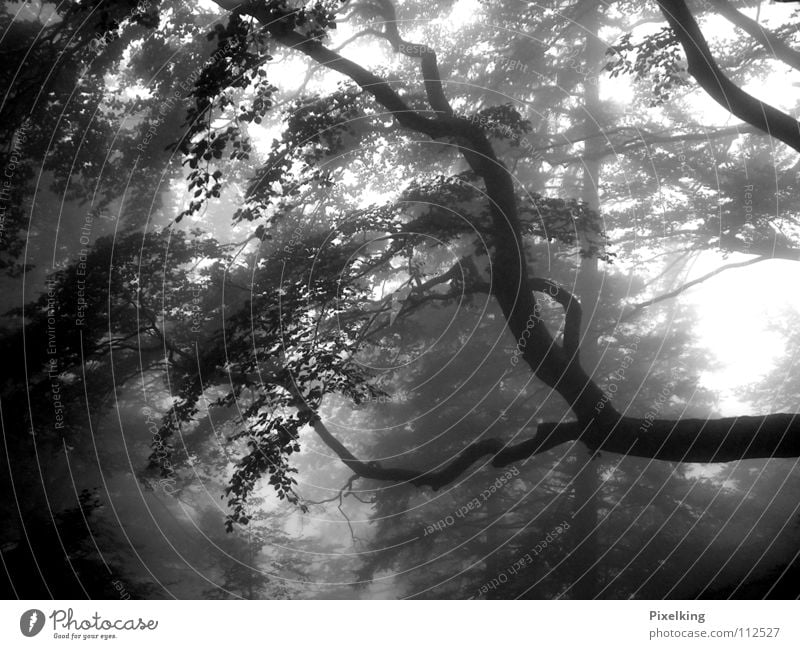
(292, 318)
(556, 365)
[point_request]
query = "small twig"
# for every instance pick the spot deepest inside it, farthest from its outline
(347, 487)
(670, 294)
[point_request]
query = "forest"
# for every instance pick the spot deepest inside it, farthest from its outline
(383, 299)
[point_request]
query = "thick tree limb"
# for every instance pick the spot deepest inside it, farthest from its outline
(548, 436)
(707, 73)
(430, 69)
(375, 85)
(703, 440)
(599, 427)
(443, 125)
(510, 283)
(572, 313)
(454, 272)
(767, 39)
(727, 439)
(464, 269)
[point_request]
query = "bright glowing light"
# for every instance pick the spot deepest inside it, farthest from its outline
(618, 89)
(463, 12)
(734, 315)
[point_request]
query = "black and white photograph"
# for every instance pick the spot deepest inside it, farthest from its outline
(399, 300)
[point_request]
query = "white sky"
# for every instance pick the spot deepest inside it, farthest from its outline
(734, 315)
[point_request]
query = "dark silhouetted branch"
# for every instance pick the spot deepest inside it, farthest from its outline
(548, 436)
(703, 440)
(572, 313)
(727, 439)
(510, 283)
(767, 39)
(707, 73)
(600, 427)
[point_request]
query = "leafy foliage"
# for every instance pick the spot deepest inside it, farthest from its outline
(369, 246)
(657, 57)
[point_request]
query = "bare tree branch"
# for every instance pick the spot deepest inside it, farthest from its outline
(634, 309)
(646, 140)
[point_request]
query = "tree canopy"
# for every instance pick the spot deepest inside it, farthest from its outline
(421, 268)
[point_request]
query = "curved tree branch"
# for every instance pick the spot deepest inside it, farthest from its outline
(727, 439)
(430, 68)
(684, 287)
(572, 313)
(510, 284)
(547, 436)
(600, 428)
(727, 94)
(764, 37)
(373, 84)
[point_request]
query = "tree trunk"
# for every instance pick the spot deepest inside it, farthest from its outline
(586, 483)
